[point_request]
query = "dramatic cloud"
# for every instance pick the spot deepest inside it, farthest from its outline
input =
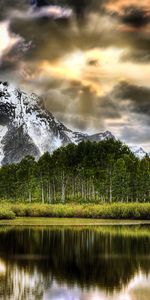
(88, 59)
(135, 16)
(6, 6)
(138, 96)
(117, 5)
(7, 40)
(130, 134)
(81, 8)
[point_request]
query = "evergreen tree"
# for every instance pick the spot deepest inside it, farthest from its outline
(88, 172)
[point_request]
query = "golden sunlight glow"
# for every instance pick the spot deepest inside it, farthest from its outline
(87, 67)
(106, 56)
(7, 41)
(75, 63)
(70, 67)
(97, 69)
(118, 4)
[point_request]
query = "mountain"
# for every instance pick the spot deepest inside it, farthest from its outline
(27, 128)
(138, 151)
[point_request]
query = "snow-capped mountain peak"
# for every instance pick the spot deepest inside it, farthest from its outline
(138, 151)
(26, 128)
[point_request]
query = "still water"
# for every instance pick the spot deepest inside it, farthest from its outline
(101, 263)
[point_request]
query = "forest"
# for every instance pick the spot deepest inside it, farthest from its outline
(89, 172)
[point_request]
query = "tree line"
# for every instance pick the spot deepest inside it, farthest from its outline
(101, 172)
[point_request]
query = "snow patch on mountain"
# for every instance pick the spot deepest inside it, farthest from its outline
(138, 151)
(3, 131)
(31, 129)
(27, 128)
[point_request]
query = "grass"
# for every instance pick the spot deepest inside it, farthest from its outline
(6, 213)
(130, 228)
(71, 222)
(119, 211)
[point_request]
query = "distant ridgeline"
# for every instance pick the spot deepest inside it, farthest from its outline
(88, 172)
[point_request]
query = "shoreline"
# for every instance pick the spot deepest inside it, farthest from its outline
(75, 222)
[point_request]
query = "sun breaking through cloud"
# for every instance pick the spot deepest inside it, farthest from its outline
(82, 57)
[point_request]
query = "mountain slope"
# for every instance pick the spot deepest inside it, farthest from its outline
(26, 128)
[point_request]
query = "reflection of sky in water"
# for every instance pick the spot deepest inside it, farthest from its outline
(62, 293)
(70, 265)
(137, 289)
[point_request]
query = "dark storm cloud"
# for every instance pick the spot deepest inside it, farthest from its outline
(138, 96)
(80, 7)
(135, 16)
(84, 110)
(136, 99)
(91, 26)
(108, 108)
(11, 59)
(50, 39)
(136, 134)
(80, 107)
(77, 106)
(9, 64)
(7, 5)
(137, 56)
(138, 47)
(135, 34)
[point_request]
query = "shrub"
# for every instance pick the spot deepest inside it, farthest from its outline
(6, 214)
(102, 211)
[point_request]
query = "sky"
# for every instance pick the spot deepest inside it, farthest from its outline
(88, 59)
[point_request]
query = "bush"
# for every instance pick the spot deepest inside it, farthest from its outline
(102, 211)
(6, 214)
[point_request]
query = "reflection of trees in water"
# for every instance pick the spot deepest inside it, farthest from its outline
(21, 283)
(88, 258)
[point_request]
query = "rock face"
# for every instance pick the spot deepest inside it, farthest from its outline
(26, 128)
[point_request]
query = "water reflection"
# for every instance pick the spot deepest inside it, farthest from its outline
(68, 264)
